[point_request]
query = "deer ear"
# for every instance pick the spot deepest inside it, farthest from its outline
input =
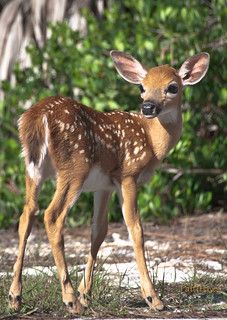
(194, 68)
(128, 67)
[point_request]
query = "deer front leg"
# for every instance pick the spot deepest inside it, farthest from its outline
(133, 223)
(98, 232)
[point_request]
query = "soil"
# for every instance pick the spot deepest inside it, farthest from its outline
(198, 240)
(201, 237)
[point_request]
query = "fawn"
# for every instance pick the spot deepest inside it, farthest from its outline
(87, 150)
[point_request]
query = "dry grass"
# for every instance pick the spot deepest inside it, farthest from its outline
(200, 296)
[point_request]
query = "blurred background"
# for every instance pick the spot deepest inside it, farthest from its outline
(61, 47)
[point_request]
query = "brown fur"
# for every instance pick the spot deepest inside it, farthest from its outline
(105, 138)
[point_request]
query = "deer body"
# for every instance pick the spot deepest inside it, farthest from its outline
(87, 150)
(98, 144)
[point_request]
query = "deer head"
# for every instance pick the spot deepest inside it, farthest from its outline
(161, 87)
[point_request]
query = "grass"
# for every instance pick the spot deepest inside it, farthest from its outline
(42, 293)
(199, 296)
(200, 293)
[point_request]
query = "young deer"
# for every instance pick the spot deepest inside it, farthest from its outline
(87, 150)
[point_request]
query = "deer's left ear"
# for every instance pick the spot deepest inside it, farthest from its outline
(128, 67)
(194, 68)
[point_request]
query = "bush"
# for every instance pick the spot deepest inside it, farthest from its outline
(79, 66)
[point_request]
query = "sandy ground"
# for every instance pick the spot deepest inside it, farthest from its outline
(173, 252)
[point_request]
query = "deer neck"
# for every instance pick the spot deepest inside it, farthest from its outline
(163, 132)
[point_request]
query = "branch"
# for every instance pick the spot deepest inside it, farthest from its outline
(180, 171)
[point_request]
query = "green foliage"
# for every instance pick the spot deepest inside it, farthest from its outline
(79, 65)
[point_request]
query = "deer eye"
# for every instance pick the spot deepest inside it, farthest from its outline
(172, 88)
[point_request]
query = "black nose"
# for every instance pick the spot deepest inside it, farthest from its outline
(149, 108)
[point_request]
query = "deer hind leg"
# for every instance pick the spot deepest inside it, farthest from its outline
(67, 191)
(25, 226)
(133, 223)
(98, 233)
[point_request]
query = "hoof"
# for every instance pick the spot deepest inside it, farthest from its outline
(84, 299)
(14, 302)
(74, 307)
(154, 304)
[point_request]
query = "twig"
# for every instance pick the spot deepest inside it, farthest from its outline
(179, 171)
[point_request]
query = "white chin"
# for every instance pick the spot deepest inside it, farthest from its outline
(150, 116)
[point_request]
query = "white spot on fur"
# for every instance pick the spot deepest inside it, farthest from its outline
(136, 150)
(62, 126)
(143, 155)
(127, 156)
(66, 111)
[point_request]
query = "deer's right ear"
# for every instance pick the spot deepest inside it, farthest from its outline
(128, 67)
